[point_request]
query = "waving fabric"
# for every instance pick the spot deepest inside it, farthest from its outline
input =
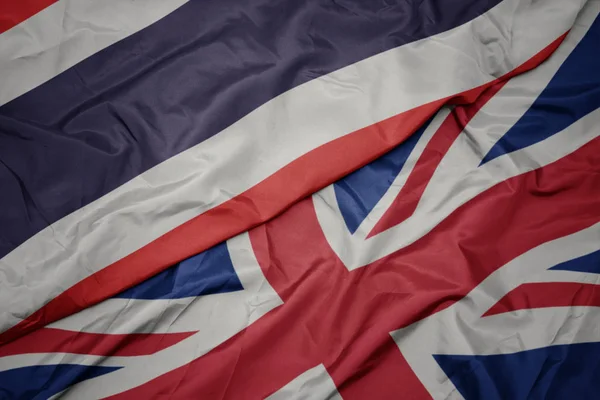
(325, 199)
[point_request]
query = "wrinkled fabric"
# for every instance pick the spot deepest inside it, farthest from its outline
(177, 83)
(281, 152)
(461, 264)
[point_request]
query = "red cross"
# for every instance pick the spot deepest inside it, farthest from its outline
(342, 319)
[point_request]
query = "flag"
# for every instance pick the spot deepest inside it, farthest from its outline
(229, 199)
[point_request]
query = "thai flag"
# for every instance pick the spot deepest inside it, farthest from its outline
(185, 217)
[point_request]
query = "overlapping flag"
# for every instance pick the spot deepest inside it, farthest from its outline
(230, 199)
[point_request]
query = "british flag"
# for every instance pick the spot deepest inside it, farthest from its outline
(463, 262)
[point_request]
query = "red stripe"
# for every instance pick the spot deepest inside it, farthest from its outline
(50, 340)
(13, 12)
(406, 202)
(343, 319)
(379, 372)
(550, 294)
(311, 172)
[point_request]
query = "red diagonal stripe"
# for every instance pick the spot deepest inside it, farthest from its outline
(50, 340)
(548, 294)
(406, 202)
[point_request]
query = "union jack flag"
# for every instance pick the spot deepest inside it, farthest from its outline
(462, 262)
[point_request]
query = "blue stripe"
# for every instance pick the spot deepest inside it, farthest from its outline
(588, 263)
(179, 82)
(573, 92)
(206, 273)
(40, 382)
(556, 372)
(360, 191)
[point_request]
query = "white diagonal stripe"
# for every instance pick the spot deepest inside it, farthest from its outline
(316, 383)
(58, 37)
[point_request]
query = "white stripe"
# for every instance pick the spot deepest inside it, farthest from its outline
(316, 383)
(460, 329)
(567, 276)
(347, 244)
(28, 360)
(221, 312)
(459, 178)
(269, 138)
(59, 37)
(216, 321)
(512, 333)
(390, 195)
